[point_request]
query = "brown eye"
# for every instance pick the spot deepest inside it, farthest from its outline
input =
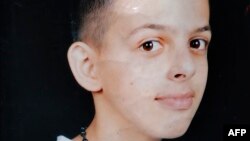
(150, 46)
(198, 44)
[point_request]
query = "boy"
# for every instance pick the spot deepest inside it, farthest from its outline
(145, 63)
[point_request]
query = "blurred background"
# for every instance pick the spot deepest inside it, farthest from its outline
(39, 98)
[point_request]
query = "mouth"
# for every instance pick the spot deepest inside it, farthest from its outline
(176, 101)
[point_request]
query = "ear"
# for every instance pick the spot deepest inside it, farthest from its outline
(81, 59)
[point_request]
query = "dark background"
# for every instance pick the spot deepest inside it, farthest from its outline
(40, 98)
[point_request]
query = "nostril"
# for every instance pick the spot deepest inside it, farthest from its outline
(179, 76)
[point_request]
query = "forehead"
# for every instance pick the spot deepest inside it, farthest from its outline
(159, 7)
(178, 14)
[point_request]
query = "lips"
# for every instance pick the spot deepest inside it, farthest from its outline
(176, 101)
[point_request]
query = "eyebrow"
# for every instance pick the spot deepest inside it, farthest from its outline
(149, 26)
(162, 27)
(204, 29)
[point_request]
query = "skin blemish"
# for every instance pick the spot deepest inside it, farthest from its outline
(131, 83)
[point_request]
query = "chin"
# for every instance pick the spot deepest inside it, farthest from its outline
(175, 132)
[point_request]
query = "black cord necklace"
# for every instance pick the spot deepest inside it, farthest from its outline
(83, 134)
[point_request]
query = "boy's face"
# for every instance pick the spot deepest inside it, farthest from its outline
(153, 64)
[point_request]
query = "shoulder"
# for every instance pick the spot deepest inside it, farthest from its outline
(62, 138)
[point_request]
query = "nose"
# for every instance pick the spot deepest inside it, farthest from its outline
(182, 67)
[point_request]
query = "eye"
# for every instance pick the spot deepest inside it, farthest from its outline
(150, 46)
(199, 44)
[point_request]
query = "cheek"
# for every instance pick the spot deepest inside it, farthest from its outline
(200, 79)
(125, 90)
(125, 76)
(127, 85)
(202, 71)
(118, 80)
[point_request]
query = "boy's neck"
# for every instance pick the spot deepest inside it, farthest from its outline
(108, 126)
(106, 131)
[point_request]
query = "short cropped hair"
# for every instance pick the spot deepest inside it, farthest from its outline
(93, 19)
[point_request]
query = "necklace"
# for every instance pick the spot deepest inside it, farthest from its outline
(83, 134)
